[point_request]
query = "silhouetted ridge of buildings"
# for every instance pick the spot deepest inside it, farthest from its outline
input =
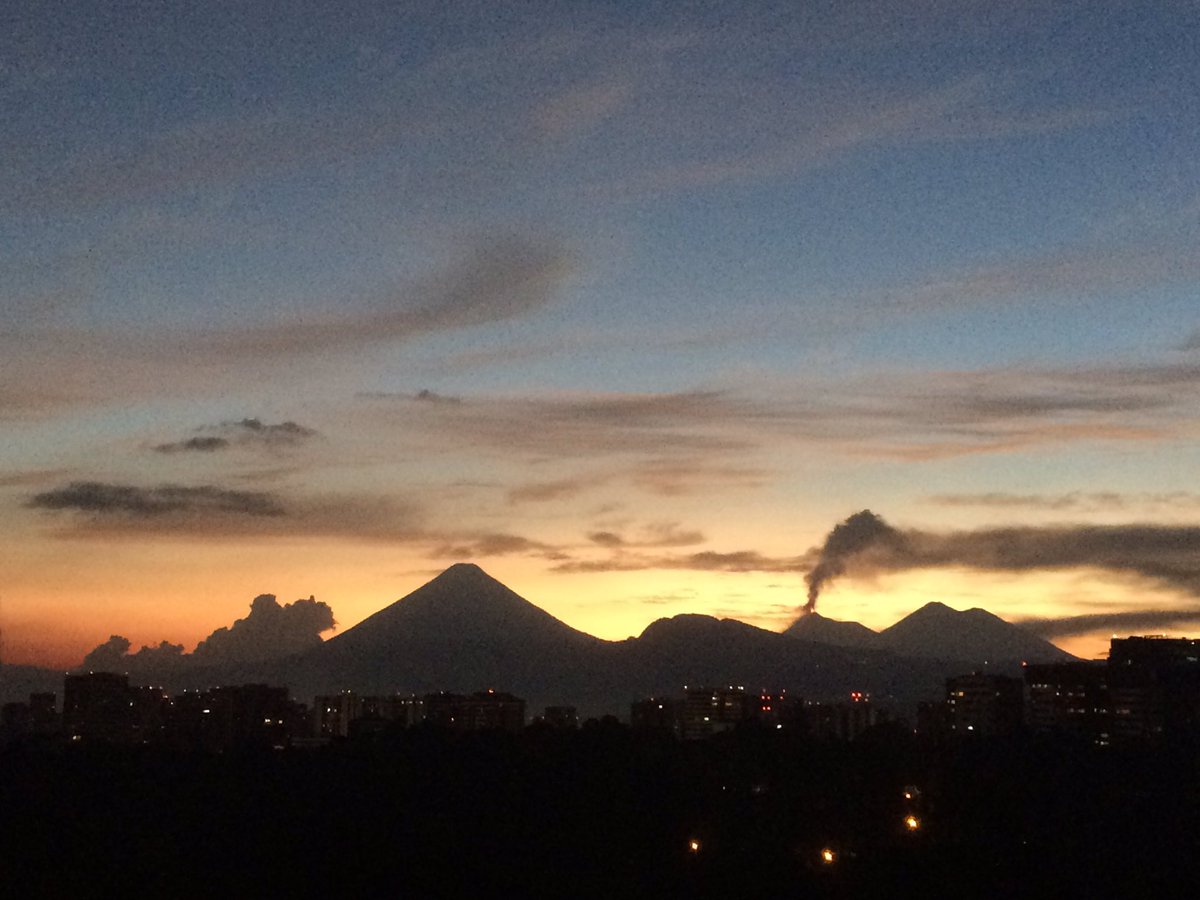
(1147, 691)
(705, 711)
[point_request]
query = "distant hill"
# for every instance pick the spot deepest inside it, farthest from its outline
(935, 631)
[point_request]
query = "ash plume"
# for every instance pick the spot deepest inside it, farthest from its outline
(1166, 554)
(861, 532)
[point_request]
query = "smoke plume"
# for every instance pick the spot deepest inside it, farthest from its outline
(859, 533)
(1166, 554)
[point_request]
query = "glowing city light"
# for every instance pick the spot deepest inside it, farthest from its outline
(694, 845)
(828, 856)
(912, 823)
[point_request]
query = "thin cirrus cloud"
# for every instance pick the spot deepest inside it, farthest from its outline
(496, 281)
(1072, 500)
(665, 438)
(502, 279)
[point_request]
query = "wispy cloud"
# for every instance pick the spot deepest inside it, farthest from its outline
(545, 491)
(703, 561)
(671, 443)
(103, 510)
(155, 502)
(1155, 620)
(1084, 501)
(31, 478)
(244, 433)
(655, 534)
(485, 545)
(500, 280)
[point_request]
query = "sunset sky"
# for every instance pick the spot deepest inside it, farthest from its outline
(628, 303)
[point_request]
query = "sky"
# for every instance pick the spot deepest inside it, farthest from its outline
(629, 303)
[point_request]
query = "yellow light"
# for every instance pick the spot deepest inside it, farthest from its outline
(828, 856)
(912, 823)
(694, 845)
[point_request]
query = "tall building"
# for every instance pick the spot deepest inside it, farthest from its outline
(341, 715)
(482, 711)
(707, 711)
(984, 704)
(660, 714)
(1069, 698)
(1155, 687)
(98, 706)
(845, 720)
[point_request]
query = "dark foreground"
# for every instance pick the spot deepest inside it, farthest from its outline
(599, 813)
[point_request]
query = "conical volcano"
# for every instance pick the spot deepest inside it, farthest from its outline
(463, 604)
(462, 631)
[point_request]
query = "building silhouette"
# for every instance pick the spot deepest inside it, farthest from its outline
(708, 711)
(482, 711)
(1154, 685)
(985, 705)
(98, 706)
(1071, 699)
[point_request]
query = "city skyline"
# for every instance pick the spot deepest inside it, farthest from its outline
(632, 306)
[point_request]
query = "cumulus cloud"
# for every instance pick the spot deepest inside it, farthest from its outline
(270, 631)
(114, 656)
(108, 657)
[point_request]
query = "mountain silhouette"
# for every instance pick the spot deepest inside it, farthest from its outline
(463, 604)
(465, 631)
(462, 631)
(815, 627)
(974, 635)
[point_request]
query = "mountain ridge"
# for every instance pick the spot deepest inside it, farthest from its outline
(464, 631)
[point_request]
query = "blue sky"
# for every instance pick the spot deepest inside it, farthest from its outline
(709, 278)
